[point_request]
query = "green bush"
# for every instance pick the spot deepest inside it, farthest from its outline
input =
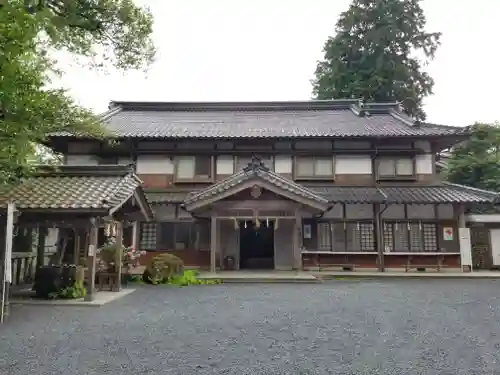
(77, 290)
(162, 268)
(190, 277)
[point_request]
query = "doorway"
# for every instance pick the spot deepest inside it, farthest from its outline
(257, 245)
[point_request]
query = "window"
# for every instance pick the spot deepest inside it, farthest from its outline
(346, 237)
(397, 167)
(192, 168)
(410, 237)
(315, 167)
(178, 235)
(243, 161)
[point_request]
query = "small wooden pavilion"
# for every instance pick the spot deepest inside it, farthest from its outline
(77, 200)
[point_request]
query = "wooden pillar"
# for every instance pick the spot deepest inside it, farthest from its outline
(40, 247)
(379, 236)
(119, 256)
(76, 247)
(91, 255)
(213, 243)
(297, 241)
(135, 235)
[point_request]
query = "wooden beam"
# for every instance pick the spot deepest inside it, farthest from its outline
(213, 243)
(40, 247)
(119, 256)
(379, 236)
(91, 257)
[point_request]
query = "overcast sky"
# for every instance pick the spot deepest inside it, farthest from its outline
(267, 50)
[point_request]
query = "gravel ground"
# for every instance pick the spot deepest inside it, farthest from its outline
(340, 327)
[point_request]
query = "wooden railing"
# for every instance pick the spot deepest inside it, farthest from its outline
(24, 268)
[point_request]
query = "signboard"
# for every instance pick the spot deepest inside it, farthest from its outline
(307, 231)
(465, 248)
(91, 250)
(448, 233)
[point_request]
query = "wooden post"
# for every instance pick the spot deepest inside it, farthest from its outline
(213, 243)
(379, 237)
(76, 247)
(297, 241)
(135, 235)
(91, 255)
(40, 247)
(119, 256)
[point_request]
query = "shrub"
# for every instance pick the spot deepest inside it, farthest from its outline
(162, 268)
(190, 277)
(77, 290)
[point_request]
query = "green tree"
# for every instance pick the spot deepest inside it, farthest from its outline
(476, 162)
(374, 55)
(108, 32)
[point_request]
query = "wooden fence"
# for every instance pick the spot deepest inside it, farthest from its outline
(24, 268)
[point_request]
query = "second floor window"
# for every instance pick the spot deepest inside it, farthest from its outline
(315, 167)
(395, 167)
(193, 168)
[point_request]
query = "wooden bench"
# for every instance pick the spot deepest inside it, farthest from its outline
(107, 278)
(322, 264)
(421, 266)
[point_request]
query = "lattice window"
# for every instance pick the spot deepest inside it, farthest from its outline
(339, 237)
(367, 237)
(430, 237)
(401, 237)
(360, 237)
(416, 237)
(388, 237)
(148, 236)
(324, 237)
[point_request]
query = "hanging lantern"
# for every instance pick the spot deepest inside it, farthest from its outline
(267, 222)
(107, 229)
(245, 225)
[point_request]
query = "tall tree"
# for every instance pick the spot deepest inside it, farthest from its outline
(476, 162)
(374, 55)
(108, 32)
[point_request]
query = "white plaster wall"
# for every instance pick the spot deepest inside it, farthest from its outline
(424, 164)
(225, 164)
(81, 160)
(154, 164)
(283, 164)
(353, 164)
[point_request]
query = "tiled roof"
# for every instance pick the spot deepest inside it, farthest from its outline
(256, 169)
(75, 187)
(341, 194)
(307, 119)
(446, 193)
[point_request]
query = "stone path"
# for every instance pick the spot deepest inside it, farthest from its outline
(341, 327)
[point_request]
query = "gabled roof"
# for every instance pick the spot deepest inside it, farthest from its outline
(257, 172)
(287, 119)
(80, 188)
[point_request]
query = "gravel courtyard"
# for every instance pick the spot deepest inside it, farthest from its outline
(339, 327)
